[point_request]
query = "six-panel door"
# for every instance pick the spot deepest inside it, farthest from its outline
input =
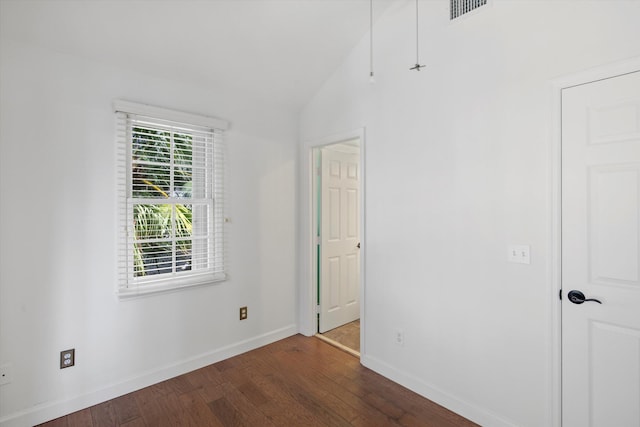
(601, 252)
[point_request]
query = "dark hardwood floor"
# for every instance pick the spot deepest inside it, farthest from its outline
(298, 381)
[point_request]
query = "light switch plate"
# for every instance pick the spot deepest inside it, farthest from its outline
(519, 254)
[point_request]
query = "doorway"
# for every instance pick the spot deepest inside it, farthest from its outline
(600, 251)
(337, 194)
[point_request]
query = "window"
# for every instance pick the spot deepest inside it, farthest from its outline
(170, 199)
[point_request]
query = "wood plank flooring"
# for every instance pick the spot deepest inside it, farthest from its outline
(348, 335)
(298, 381)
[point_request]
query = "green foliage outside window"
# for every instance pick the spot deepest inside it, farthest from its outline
(162, 171)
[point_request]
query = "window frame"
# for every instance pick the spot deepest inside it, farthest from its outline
(128, 285)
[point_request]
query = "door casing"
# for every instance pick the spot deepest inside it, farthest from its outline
(308, 247)
(555, 251)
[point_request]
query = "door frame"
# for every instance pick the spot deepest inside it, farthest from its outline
(555, 261)
(308, 220)
(318, 154)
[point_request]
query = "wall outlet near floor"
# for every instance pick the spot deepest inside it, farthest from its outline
(243, 313)
(399, 338)
(6, 373)
(67, 358)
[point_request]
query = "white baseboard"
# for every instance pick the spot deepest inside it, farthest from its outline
(51, 410)
(466, 409)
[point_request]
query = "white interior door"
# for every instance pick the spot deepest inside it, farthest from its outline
(339, 238)
(601, 253)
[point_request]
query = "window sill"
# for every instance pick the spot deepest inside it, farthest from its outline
(173, 285)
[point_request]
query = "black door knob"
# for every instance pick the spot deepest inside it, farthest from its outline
(578, 297)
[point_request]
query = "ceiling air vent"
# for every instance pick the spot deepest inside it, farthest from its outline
(460, 7)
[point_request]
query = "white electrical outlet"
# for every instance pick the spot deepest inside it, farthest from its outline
(67, 358)
(520, 254)
(6, 373)
(400, 337)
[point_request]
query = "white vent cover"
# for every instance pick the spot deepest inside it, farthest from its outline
(460, 7)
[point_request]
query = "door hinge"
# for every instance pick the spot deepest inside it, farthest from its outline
(317, 309)
(560, 295)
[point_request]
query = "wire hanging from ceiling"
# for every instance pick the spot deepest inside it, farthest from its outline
(417, 65)
(371, 75)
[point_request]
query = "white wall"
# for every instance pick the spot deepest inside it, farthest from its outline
(57, 250)
(458, 166)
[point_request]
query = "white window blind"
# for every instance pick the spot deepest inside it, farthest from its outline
(170, 199)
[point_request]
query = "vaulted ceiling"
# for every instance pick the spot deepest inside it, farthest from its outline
(281, 50)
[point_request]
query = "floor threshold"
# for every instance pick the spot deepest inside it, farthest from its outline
(338, 345)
